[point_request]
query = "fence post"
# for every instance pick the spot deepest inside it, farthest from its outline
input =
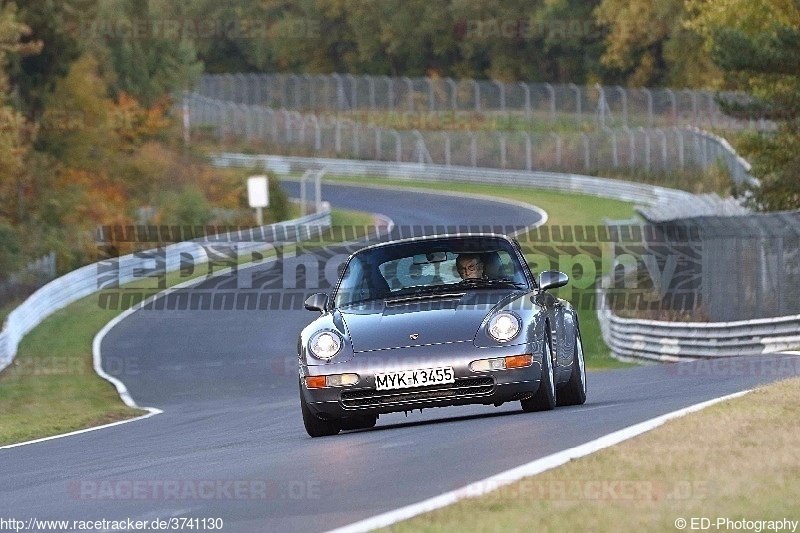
(674, 104)
(614, 154)
(631, 147)
(502, 88)
(649, 96)
(284, 100)
(624, 97)
(528, 152)
(558, 147)
(601, 104)
(389, 90)
(586, 158)
(477, 95)
(552, 102)
(353, 91)
(527, 90)
(473, 149)
(431, 96)
(446, 148)
(453, 95)
(371, 84)
(663, 147)
(502, 149)
(354, 130)
(410, 95)
(377, 143)
(317, 133)
(577, 101)
(646, 149)
(422, 154)
(679, 136)
(398, 147)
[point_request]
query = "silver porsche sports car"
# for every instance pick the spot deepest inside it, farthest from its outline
(433, 322)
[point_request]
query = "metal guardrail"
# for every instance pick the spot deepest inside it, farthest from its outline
(628, 339)
(86, 280)
(668, 203)
(654, 340)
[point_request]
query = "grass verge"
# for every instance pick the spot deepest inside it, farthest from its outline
(562, 209)
(650, 482)
(51, 387)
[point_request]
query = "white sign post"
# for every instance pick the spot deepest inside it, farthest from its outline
(258, 195)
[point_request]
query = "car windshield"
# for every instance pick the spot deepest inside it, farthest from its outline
(430, 267)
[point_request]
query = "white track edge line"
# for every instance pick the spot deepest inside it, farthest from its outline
(122, 390)
(538, 466)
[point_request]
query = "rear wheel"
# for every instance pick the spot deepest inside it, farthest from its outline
(545, 397)
(574, 392)
(316, 427)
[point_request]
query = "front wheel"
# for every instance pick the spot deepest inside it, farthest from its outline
(545, 397)
(316, 427)
(574, 392)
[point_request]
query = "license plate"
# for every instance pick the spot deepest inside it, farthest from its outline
(414, 378)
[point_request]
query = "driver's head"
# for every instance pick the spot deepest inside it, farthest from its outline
(469, 266)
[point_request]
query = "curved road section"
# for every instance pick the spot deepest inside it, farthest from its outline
(230, 444)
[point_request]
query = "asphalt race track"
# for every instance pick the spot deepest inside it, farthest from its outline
(231, 444)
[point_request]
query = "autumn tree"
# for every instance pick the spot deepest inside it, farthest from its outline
(757, 44)
(16, 129)
(649, 44)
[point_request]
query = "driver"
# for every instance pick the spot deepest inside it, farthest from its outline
(469, 266)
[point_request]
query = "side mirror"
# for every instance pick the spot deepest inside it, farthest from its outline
(551, 279)
(316, 302)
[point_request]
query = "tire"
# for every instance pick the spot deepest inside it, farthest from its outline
(574, 392)
(316, 427)
(545, 397)
(359, 422)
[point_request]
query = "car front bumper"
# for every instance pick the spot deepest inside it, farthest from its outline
(490, 387)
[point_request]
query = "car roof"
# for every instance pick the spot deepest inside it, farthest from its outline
(441, 236)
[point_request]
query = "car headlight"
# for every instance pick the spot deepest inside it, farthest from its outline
(325, 345)
(503, 326)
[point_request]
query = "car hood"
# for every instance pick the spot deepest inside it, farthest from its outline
(436, 320)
